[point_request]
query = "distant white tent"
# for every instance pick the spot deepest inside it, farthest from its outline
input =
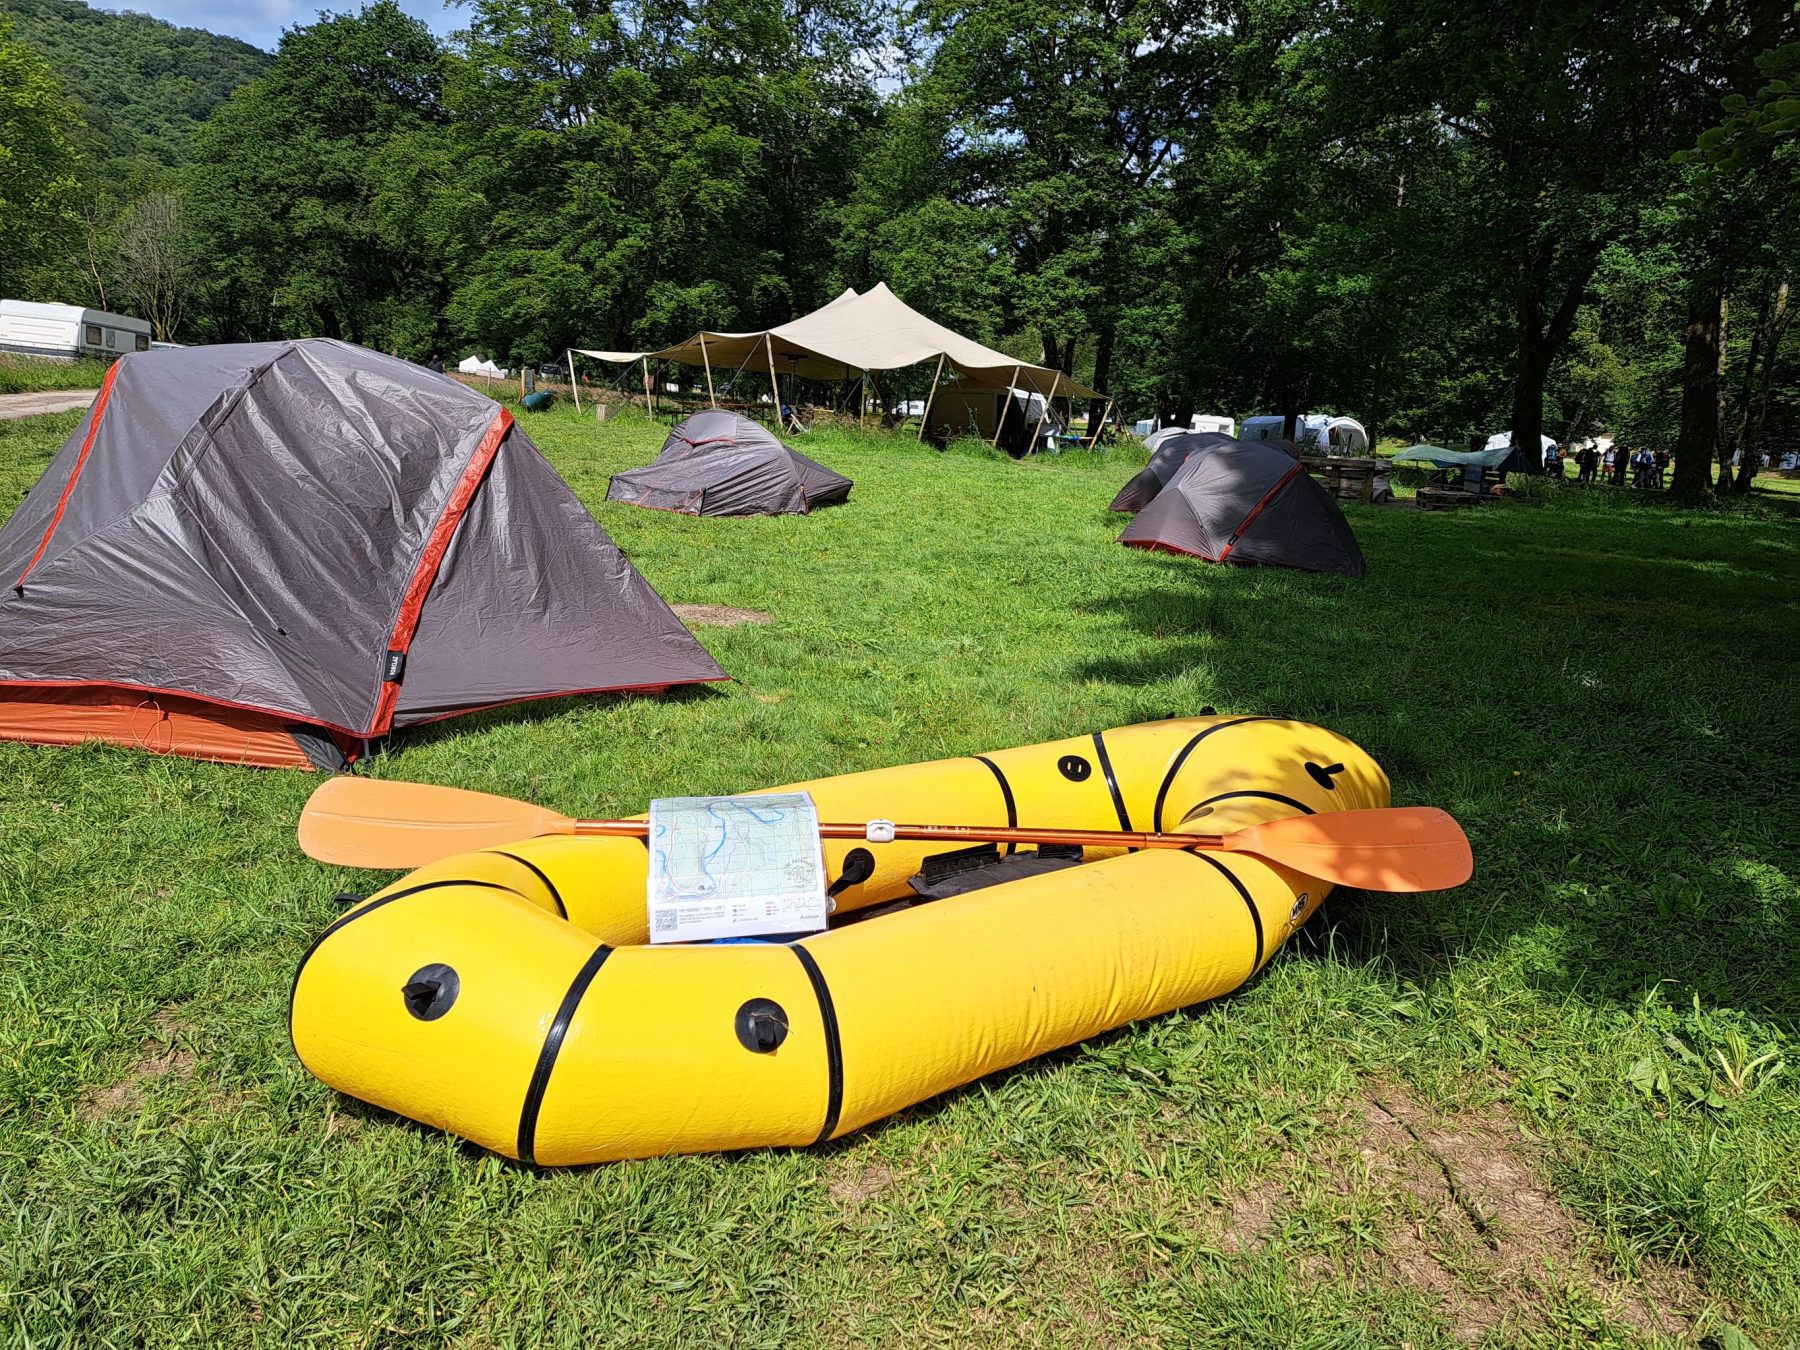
(1502, 440)
(1320, 431)
(474, 365)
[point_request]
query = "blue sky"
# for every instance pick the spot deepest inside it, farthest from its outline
(261, 21)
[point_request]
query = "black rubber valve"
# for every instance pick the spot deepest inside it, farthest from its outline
(431, 991)
(761, 1025)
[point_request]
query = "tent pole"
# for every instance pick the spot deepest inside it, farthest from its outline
(925, 416)
(1005, 408)
(648, 411)
(1038, 425)
(1105, 413)
(574, 388)
(774, 384)
(710, 398)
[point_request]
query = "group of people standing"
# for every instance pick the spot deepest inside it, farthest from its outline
(1644, 467)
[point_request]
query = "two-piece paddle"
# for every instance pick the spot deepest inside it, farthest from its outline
(369, 822)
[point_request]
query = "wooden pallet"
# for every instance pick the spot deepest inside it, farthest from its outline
(1436, 497)
(1349, 480)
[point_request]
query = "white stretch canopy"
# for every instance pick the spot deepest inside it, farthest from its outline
(875, 330)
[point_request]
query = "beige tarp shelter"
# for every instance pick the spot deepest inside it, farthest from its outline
(857, 334)
(976, 408)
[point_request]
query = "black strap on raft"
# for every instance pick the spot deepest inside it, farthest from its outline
(546, 1061)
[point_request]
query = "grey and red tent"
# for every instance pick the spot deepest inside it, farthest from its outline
(1168, 456)
(275, 553)
(717, 463)
(1248, 502)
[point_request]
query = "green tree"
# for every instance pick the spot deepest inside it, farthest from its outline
(1020, 182)
(38, 168)
(1746, 168)
(1562, 112)
(626, 173)
(285, 197)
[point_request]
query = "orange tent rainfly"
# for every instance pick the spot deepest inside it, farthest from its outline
(275, 553)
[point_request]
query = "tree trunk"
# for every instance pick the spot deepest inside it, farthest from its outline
(1699, 391)
(1527, 421)
(1539, 344)
(1732, 443)
(1102, 373)
(1290, 409)
(1721, 443)
(1756, 406)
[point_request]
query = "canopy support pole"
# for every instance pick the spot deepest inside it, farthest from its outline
(1038, 426)
(925, 416)
(574, 388)
(774, 384)
(1094, 439)
(648, 410)
(711, 399)
(1005, 408)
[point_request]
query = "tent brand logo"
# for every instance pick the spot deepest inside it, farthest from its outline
(1074, 768)
(1299, 908)
(394, 667)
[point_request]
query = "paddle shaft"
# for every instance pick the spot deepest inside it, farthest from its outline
(978, 834)
(361, 822)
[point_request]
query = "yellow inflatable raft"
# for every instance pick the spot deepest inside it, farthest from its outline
(509, 995)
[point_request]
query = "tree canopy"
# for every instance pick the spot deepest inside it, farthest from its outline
(1445, 219)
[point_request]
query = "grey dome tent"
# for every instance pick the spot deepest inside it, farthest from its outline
(1165, 459)
(275, 553)
(1248, 503)
(717, 463)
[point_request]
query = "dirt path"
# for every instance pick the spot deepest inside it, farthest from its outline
(49, 401)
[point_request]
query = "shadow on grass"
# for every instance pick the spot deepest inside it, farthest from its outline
(536, 711)
(1604, 698)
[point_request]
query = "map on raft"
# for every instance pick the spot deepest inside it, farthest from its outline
(725, 867)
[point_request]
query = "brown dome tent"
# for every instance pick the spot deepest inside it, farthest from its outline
(275, 553)
(1248, 503)
(717, 463)
(1164, 461)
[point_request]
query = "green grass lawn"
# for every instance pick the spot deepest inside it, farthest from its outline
(1525, 1111)
(24, 375)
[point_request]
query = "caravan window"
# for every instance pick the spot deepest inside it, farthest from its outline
(93, 335)
(143, 342)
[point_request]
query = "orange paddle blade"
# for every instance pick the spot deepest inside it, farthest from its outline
(1393, 848)
(366, 822)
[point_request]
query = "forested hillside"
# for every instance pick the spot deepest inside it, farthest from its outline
(142, 86)
(1445, 219)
